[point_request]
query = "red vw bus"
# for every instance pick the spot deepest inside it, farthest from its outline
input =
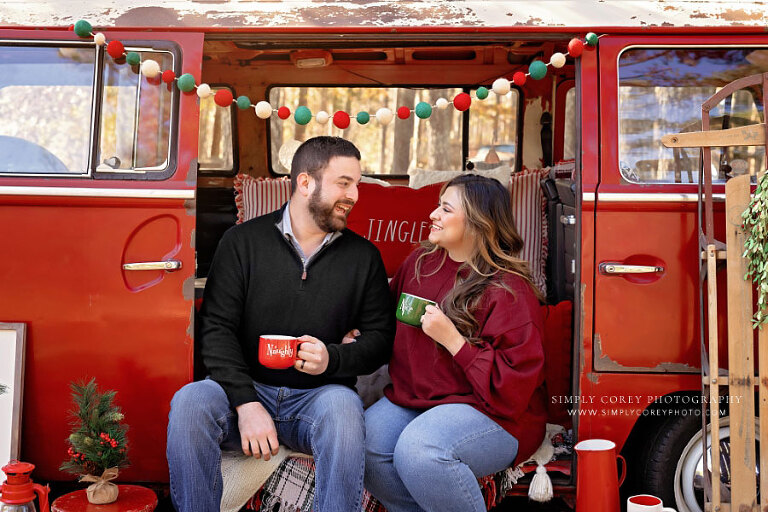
(115, 188)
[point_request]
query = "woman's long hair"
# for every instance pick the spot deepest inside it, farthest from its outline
(488, 212)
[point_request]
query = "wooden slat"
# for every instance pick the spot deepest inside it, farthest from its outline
(752, 135)
(720, 255)
(714, 389)
(741, 364)
(763, 410)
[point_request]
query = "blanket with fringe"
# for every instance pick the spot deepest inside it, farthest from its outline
(291, 488)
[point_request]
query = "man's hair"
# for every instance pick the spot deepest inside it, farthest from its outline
(313, 156)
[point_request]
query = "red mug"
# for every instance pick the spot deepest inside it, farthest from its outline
(277, 351)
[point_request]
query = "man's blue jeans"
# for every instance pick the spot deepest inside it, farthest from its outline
(430, 460)
(326, 422)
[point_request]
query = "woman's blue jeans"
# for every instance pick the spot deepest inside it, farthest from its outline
(430, 460)
(326, 422)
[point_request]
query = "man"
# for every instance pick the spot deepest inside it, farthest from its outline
(296, 272)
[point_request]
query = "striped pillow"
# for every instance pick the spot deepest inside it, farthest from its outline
(529, 209)
(259, 196)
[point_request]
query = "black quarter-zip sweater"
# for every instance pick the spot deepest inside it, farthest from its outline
(255, 287)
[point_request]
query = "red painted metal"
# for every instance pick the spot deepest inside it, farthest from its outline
(62, 275)
(130, 498)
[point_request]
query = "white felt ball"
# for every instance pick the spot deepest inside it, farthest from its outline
(322, 117)
(204, 90)
(441, 103)
(384, 116)
(99, 38)
(557, 60)
(263, 109)
(150, 68)
(501, 86)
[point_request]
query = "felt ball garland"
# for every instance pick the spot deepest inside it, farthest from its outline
(223, 98)
(341, 120)
(537, 70)
(133, 58)
(302, 115)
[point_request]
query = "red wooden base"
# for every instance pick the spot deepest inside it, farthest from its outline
(132, 498)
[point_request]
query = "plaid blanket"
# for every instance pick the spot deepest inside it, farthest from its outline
(291, 488)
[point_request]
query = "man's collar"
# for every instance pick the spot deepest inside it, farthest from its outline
(286, 228)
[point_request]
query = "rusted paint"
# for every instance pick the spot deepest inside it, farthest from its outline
(193, 237)
(604, 363)
(188, 288)
(385, 13)
(191, 177)
(593, 377)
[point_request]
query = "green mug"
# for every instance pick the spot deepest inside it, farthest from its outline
(410, 308)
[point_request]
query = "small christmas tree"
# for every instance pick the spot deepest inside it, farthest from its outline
(97, 442)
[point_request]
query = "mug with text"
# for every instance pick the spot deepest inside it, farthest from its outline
(277, 351)
(646, 503)
(410, 309)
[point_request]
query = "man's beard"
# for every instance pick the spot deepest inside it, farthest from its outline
(324, 214)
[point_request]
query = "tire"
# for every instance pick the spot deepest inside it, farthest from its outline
(662, 453)
(673, 463)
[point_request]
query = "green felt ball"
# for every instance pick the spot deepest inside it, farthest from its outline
(186, 82)
(423, 110)
(302, 115)
(537, 70)
(243, 102)
(481, 93)
(132, 58)
(83, 28)
(591, 39)
(363, 117)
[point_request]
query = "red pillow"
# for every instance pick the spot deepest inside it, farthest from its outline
(557, 338)
(394, 218)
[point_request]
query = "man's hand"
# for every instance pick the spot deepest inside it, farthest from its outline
(313, 356)
(257, 430)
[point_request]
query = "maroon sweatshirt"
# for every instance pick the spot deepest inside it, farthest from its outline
(502, 377)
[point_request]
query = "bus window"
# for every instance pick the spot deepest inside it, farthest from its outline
(570, 134)
(215, 148)
(493, 131)
(393, 149)
(661, 91)
(135, 117)
(46, 95)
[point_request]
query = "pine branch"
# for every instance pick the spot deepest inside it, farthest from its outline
(98, 440)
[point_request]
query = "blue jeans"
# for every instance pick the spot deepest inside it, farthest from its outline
(430, 460)
(325, 422)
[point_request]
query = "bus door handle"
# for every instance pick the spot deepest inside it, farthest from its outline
(168, 266)
(609, 267)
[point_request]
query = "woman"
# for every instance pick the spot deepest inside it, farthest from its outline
(466, 398)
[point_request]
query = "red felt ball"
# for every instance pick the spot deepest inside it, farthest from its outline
(575, 48)
(341, 120)
(168, 76)
(223, 97)
(71, 28)
(519, 78)
(462, 101)
(283, 112)
(115, 49)
(403, 112)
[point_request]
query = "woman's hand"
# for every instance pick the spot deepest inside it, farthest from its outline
(439, 327)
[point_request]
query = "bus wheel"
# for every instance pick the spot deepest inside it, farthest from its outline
(686, 490)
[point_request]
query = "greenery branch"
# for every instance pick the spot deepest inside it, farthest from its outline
(98, 439)
(756, 247)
